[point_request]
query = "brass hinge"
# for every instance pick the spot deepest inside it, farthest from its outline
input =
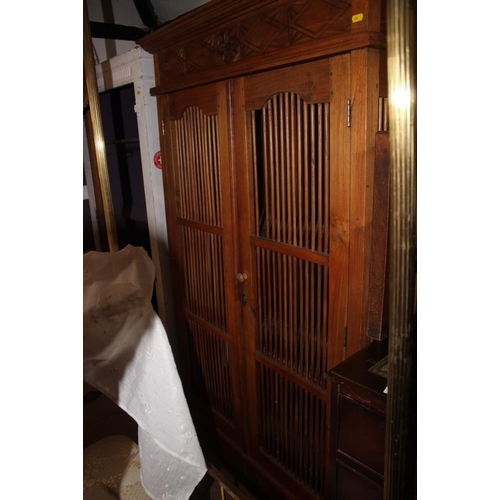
(162, 127)
(349, 107)
(345, 336)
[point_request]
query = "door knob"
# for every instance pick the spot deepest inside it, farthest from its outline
(241, 277)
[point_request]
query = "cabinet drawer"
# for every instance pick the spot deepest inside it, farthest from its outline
(354, 486)
(361, 434)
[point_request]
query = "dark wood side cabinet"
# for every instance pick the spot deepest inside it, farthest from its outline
(358, 410)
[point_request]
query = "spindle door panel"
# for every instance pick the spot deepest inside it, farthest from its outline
(197, 181)
(292, 152)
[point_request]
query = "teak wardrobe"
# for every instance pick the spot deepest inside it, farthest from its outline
(268, 112)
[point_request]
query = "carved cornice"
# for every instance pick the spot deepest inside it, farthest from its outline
(251, 36)
(203, 19)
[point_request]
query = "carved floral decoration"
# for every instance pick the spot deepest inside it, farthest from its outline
(228, 47)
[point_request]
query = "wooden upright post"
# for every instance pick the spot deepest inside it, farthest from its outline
(97, 134)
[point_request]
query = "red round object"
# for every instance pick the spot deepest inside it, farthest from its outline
(157, 159)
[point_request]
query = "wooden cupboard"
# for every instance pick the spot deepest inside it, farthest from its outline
(268, 112)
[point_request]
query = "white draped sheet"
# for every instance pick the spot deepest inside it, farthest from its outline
(127, 356)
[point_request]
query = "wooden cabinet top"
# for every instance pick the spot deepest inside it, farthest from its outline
(361, 375)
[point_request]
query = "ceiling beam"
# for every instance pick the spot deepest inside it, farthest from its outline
(116, 31)
(147, 13)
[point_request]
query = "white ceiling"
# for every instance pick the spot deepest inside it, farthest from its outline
(166, 10)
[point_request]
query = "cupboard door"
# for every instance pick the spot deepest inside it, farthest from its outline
(292, 160)
(198, 196)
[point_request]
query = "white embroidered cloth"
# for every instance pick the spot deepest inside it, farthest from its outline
(127, 356)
